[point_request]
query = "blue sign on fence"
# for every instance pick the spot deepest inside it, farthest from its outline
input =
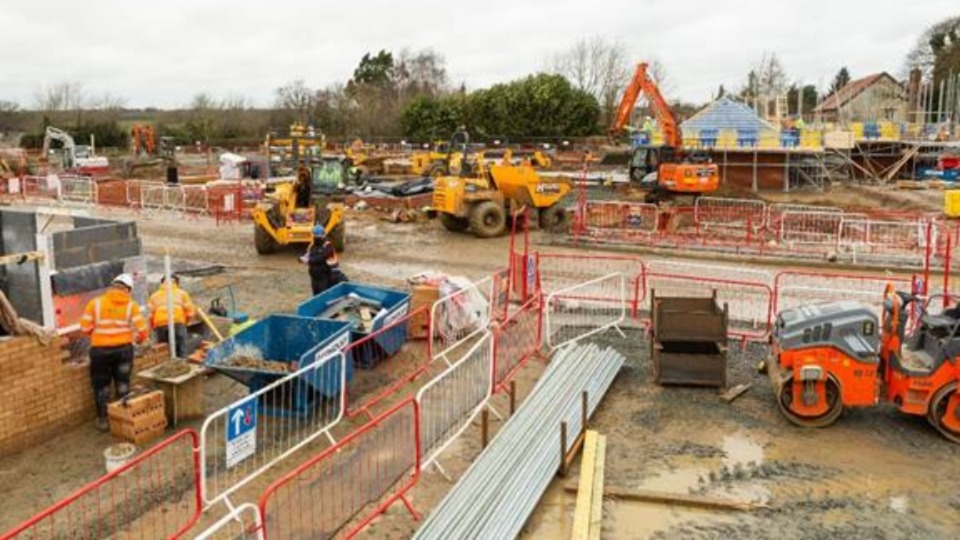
(241, 431)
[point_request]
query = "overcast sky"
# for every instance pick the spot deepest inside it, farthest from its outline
(163, 52)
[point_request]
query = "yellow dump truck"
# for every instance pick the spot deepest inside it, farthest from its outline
(481, 204)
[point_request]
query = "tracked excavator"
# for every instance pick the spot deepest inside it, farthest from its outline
(665, 171)
(74, 158)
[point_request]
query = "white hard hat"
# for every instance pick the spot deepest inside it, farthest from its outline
(124, 279)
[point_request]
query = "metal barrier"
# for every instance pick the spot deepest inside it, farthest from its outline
(500, 294)
(516, 340)
(327, 495)
(750, 302)
(585, 309)
(77, 189)
(459, 316)
(153, 198)
(794, 288)
(242, 523)
(40, 187)
(450, 402)
(810, 227)
(730, 213)
(556, 271)
(228, 463)
(714, 271)
(154, 495)
(776, 211)
(389, 343)
(618, 219)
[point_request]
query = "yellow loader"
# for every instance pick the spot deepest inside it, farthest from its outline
(289, 213)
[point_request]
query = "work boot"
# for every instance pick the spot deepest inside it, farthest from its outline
(102, 424)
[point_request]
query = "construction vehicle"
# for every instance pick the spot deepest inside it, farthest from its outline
(290, 211)
(480, 197)
(829, 356)
(142, 140)
(81, 159)
(665, 171)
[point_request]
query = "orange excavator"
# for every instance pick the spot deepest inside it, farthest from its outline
(827, 357)
(142, 139)
(667, 170)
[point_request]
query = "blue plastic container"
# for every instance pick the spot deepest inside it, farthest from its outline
(789, 138)
(286, 338)
(394, 305)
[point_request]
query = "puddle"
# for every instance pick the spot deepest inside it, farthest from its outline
(740, 449)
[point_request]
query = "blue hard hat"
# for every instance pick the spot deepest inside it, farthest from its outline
(319, 232)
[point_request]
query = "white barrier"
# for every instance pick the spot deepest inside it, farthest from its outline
(242, 523)
(309, 415)
(450, 402)
(77, 189)
(585, 309)
(730, 213)
(822, 228)
(715, 271)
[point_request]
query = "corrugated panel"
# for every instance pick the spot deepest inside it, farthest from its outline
(726, 114)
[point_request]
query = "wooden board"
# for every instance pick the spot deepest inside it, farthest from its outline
(588, 516)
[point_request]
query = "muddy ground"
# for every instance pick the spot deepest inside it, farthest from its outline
(875, 474)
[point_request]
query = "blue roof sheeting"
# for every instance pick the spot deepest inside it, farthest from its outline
(725, 113)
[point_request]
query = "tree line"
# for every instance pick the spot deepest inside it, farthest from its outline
(408, 94)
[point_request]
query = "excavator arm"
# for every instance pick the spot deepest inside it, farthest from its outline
(55, 134)
(643, 84)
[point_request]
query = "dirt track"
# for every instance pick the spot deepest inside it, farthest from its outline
(876, 474)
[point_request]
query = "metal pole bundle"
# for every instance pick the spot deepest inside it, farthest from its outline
(501, 488)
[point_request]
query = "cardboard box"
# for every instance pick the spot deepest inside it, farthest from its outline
(421, 295)
(139, 419)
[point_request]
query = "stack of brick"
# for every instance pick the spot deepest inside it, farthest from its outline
(42, 395)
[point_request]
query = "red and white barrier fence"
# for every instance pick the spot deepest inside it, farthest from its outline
(719, 212)
(242, 523)
(515, 340)
(157, 494)
(619, 219)
(750, 303)
(339, 491)
(557, 271)
(298, 415)
(795, 288)
(451, 400)
(391, 343)
(585, 309)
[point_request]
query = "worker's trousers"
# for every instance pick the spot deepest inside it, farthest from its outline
(109, 365)
(179, 332)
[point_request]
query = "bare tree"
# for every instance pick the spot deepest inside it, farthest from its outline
(296, 96)
(107, 102)
(597, 66)
(923, 55)
(423, 72)
(771, 76)
(63, 96)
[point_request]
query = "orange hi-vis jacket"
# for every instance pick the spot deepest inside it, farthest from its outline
(183, 308)
(113, 319)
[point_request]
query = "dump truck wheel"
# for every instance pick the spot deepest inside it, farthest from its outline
(262, 240)
(338, 237)
(453, 223)
(554, 218)
(488, 219)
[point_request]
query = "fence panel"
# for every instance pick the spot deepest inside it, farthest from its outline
(619, 220)
(459, 315)
(585, 309)
(153, 198)
(242, 523)
(195, 200)
(41, 187)
(713, 271)
(175, 199)
(820, 228)
(796, 288)
(450, 401)
(290, 414)
(500, 294)
(155, 495)
(391, 343)
(77, 189)
(515, 341)
(556, 271)
(330, 494)
(750, 303)
(712, 212)
(776, 211)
